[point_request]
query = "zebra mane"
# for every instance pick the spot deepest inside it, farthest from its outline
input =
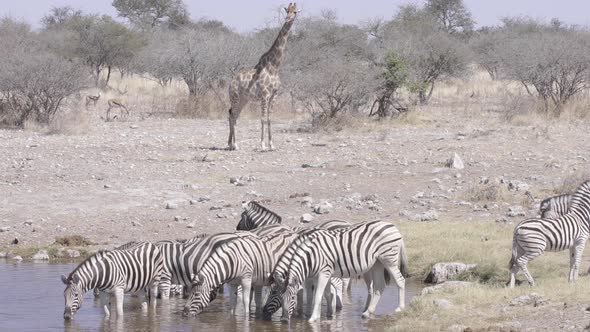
(257, 208)
(581, 200)
(303, 239)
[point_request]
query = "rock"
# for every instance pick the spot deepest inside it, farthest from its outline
(72, 253)
(305, 218)
(215, 207)
(177, 218)
(307, 201)
(442, 303)
(136, 224)
(15, 241)
(17, 258)
(107, 186)
(28, 223)
(193, 201)
(528, 299)
(442, 272)
(241, 180)
(449, 285)
(514, 185)
(455, 162)
(323, 208)
(171, 206)
(457, 328)
(4, 229)
(516, 211)
(431, 215)
(203, 199)
(191, 225)
(134, 126)
(221, 216)
(3, 254)
(42, 255)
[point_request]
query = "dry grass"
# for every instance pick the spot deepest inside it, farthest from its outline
(490, 192)
(73, 241)
(487, 244)
(571, 182)
(70, 122)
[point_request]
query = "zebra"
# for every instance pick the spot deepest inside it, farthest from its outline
(555, 207)
(256, 215)
(171, 280)
(117, 272)
(373, 249)
(271, 229)
(246, 261)
(532, 237)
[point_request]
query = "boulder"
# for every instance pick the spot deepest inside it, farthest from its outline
(323, 208)
(455, 162)
(528, 299)
(72, 253)
(306, 218)
(442, 272)
(42, 255)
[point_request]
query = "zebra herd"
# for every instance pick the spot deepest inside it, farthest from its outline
(318, 261)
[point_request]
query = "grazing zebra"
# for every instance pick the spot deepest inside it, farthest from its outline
(373, 249)
(256, 215)
(246, 261)
(172, 272)
(555, 207)
(114, 271)
(532, 237)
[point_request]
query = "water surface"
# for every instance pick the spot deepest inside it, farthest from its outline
(32, 300)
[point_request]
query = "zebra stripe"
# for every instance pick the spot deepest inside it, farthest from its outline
(372, 249)
(532, 237)
(555, 207)
(256, 215)
(272, 229)
(246, 261)
(114, 271)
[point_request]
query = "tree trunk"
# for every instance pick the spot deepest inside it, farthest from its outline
(108, 74)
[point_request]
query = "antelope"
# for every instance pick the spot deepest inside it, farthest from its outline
(92, 100)
(115, 102)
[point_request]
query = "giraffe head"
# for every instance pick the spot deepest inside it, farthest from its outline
(291, 11)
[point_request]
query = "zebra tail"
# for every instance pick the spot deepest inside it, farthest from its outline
(513, 257)
(403, 261)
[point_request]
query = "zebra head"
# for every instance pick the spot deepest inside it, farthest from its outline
(245, 223)
(274, 301)
(72, 294)
(289, 299)
(202, 293)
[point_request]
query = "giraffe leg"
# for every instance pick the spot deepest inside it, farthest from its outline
(264, 114)
(268, 116)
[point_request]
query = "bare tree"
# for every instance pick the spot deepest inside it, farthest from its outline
(452, 15)
(551, 61)
(33, 81)
(152, 13)
(429, 52)
(328, 68)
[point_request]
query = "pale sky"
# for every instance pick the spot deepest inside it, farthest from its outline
(250, 15)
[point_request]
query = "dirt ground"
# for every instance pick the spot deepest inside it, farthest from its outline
(165, 178)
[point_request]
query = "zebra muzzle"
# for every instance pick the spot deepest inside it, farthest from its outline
(68, 314)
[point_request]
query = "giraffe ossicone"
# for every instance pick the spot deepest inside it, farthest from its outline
(260, 83)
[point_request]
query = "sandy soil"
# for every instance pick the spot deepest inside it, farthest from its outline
(113, 184)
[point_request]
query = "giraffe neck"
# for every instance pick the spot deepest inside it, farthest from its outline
(274, 56)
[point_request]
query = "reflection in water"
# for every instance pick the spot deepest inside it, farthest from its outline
(36, 304)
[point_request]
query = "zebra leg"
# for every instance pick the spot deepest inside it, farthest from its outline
(322, 280)
(369, 282)
(339, 293)
(378, 281)
(246, 288)
(104, 302)
(165, 285)
(330, 296)
(119, 296)
(578, 250)
(300, 302)
(153, 291)
(396, 274)
(309, 287)
(233, 298)
(258, 299)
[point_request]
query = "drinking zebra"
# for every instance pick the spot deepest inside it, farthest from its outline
(246, 261)
(116, 272)
(555, 207)
(256, 215)
(532, 237)
(372, 249)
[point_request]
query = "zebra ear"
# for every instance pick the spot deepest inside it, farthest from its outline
(270, 278)
(64, 279)
(75, 279)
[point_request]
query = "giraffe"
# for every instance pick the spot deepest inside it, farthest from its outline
(260, 83)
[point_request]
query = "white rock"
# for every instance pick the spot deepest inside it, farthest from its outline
(42, 255)
(455, 162)
(73, 253)
(323, 208)
(442, 272)
(17, 258)
(305, 218)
